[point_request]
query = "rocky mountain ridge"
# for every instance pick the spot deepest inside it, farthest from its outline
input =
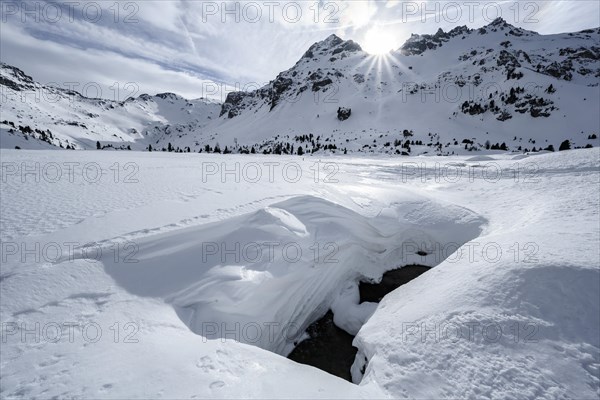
(462, 90)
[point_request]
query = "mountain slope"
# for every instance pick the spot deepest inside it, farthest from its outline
(488, 84)
(445, 93)
(59, 117)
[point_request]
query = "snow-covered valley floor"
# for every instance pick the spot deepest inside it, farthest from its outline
(161, 275)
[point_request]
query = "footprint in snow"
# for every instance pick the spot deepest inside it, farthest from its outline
(217, 385)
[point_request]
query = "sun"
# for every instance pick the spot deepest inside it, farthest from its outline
(378, 41)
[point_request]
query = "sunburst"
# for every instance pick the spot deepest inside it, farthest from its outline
(378, 41)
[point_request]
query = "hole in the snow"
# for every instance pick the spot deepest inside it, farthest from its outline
(329, 347)
(374, 292)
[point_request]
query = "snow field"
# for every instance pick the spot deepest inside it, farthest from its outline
(172, 281)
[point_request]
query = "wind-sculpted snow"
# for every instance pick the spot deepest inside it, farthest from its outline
(509, 309)
(282, 273)
(524, 323)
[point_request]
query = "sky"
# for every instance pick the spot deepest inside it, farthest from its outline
(116, 49)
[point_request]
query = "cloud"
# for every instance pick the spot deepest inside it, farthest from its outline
(183, 46)
(85, 70)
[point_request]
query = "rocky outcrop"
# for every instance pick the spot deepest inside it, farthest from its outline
(15, 79)
(344, 113)
(303, 76)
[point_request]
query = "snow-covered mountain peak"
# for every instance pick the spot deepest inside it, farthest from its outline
(418, 44)
(497, 29)
(500, 22)
(444, 87)
(170, 96)
(14, 78)
(331, 46)
(322, 65)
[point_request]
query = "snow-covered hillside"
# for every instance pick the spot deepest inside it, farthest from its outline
(52, 116)
(499, 84)
(135, 275)
(493, 89)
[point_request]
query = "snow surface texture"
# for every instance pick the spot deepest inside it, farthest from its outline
(542, 291)
(497, 84)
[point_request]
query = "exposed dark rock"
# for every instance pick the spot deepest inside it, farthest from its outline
(231, 104)
(18, 76)
(560, 70)
(280, 85)
(328, 347)
(508, 60)
(344, 113)
(169, 96)
(320, 84)
(504, 116)
(391, 280)
(359, 78)
(349, 46)
(417, 44)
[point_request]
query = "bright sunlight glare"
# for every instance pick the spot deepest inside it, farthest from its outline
(379, 42)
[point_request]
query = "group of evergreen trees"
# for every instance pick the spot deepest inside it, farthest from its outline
(310, 144)
(44, 136)
(489, 146)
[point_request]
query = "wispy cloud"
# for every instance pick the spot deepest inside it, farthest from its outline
(191, 47)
